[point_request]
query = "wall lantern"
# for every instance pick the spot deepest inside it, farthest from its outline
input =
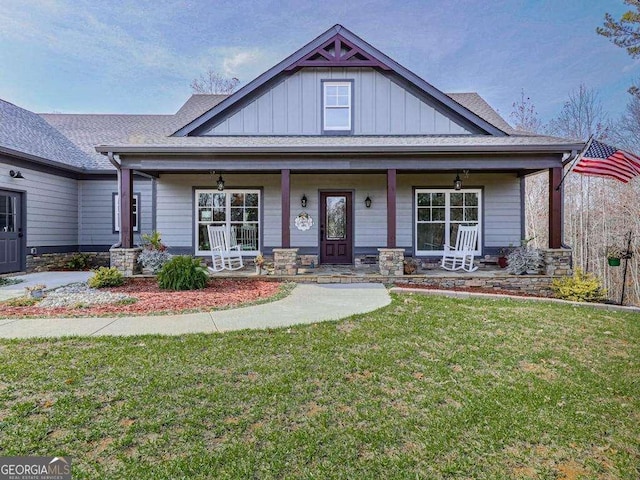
(457, 183)
(220, 183)
(15, 174)
(367, 202)
(303, 201)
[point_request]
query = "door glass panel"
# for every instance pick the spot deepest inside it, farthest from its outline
(438, 199)
(424, 199)
(456, 214)
(424, 214)
(471, 199)
(456, 199)
(431, 236)
(4, 201)
(4, 222)
(336, 208)
(438, 214)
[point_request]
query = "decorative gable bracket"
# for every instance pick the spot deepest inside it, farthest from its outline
(338, 52)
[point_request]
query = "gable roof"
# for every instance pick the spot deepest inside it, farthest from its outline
(25, 134)
(371, 56)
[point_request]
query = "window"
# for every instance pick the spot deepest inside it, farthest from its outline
(135, 201)
(237, 210)
(337, 106)
(438, 214)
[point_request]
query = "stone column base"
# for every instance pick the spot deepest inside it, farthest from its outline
(285, 261)
(391, 261)
(126, 260)
(557, 261)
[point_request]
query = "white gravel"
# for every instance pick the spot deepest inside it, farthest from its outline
(79, 294)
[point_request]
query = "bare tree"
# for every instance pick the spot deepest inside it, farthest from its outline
(524, 115)
(581, 116)
(214, 83)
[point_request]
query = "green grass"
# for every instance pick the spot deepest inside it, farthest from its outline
(428, 387)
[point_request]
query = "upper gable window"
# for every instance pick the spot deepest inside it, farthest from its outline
(337, 106)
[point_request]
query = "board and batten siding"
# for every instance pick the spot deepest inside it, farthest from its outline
(52, 206)
(96, 210)
(501, 202)
(294, 107)
(175, 205)
(370, 227)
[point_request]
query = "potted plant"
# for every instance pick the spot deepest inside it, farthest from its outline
(36, 291)
(154, 253)
(410, 266)
(524, 259)
(614, 254)
(502, 256)
(259, 261)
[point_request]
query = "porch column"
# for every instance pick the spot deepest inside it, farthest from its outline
(391, 208)
(555, 208)
(126, 211)
(285, 187)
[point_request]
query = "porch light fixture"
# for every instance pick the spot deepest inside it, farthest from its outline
(15, 174)
(303, 201)
(220, 183)
(367, 202)
(457, 183)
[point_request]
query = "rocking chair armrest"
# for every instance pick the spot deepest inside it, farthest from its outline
(448, 248)
(236, 247)
(218, 248)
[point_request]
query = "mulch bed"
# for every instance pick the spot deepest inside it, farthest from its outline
(468, 290)
(151, 299)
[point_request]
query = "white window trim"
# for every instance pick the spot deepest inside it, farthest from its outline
(229, 192)
(348, 107)
(447, 221)
(136, 212)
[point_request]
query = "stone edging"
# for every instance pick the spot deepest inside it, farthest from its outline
(493, 296)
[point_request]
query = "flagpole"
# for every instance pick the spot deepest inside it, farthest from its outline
(575, 160)
(626, 265)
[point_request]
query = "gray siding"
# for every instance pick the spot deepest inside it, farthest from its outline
(501, 205)
(175, 215)
(52, 205)
(96, 210)
(293, 107)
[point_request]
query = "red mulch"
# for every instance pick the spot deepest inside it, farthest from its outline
(151, 299)
(468, 289)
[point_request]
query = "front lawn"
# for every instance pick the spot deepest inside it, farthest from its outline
(428, 387)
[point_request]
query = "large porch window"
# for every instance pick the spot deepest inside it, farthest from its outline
(439, 213)
(237, 210)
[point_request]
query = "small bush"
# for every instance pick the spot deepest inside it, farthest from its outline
(153, 259)
(22, 302)
(78, 261)
(183, 273)
(106, 277)
(582, 287)
(153, 241)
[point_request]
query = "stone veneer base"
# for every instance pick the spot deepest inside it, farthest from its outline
(126, 260)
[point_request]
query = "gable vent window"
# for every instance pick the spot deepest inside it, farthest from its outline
(337, 106)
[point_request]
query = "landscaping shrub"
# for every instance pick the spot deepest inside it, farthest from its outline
(183, 273)
(582, 287)
(78, 261)
(106, 277)
(153, 241)
(153, 259)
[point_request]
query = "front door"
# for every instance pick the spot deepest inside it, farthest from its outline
(336, 228)
(10, 232)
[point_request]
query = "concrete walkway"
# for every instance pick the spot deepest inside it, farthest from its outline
(307, 303)
(50, 279)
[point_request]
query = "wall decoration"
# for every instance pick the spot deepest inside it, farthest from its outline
(303, 221)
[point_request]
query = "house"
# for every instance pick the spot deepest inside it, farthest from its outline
(335, 153)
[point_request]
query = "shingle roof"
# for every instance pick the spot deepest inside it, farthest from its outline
(25, 132)
(480, 107)
(89, 130)
(327, 143)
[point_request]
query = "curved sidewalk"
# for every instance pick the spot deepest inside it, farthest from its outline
(307, 303)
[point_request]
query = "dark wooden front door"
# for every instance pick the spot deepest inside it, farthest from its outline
(336, 228)
(10, 232)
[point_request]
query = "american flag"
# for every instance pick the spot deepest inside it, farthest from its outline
(606, 161)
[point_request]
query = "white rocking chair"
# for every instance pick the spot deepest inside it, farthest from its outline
(223, 255)
(460, 257)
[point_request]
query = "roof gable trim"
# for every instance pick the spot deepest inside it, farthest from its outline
(310, 52)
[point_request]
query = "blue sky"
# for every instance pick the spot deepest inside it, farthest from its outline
(93, 56)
